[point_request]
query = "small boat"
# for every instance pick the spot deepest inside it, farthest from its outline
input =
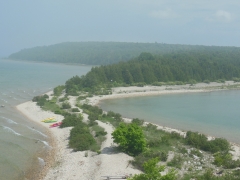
(55, 124)
(50, 121)
(47, 119)
(2, 106)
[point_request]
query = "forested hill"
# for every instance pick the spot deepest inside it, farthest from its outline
(187, 67)
(102, 53)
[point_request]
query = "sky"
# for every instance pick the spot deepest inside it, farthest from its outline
(28, 23)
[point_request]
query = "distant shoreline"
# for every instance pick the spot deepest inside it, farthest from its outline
(45, 62)
(134, 91)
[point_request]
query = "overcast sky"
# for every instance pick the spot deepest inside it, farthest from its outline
(30, 23)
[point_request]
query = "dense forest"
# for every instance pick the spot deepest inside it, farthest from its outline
(185, 67)
(103, 53)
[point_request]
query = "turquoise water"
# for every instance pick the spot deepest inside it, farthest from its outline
(213, 113)
(23, 143)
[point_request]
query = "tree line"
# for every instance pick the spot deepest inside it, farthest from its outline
(185, 67)
(103, 53)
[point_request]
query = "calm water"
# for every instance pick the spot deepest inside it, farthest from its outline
(23, 143)
(214, 113)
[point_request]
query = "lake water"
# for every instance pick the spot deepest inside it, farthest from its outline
(214, 113)
(23, 143)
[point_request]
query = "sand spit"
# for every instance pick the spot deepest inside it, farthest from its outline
(85, 165)
(64, 164)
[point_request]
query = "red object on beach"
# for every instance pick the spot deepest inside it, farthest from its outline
(55, 124)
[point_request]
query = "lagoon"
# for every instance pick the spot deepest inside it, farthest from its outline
(214, 113)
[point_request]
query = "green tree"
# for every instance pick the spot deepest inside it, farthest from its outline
(130, 138)
(152, 172)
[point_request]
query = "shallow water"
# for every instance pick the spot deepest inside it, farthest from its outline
(213, 113)
(23, 141)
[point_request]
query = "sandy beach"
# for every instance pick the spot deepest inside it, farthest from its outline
(63, 163)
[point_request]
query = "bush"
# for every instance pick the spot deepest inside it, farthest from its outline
(152, 172)
(225, 160)
(116, 116)
(63, 99)
(176, 162)
(175, 135)
(81, 139)
(235, 79)
(179, 83)
(92, 109)
(92, 123)
(72, 120)
(41, 100)
(45, 96)
(75, 110)
(200, 141)
(140, 84)
(206, 81)
(151, 127)
(66, 105)
(157, 83)
(93, 117)
(57, 112)
(100, 133)
(192, 81)
(147, 155)
(130, 138)
(58, 90)
(137, 121)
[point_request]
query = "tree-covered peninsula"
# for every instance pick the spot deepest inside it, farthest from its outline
(102, 53)
(182, 67)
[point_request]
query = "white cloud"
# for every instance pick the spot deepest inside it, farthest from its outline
(222, 16)
(163, 14)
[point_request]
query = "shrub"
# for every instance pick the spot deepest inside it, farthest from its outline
(140, 159)
(235, 79)
(176, 162)
(75, 110)
(57, 112)
(41, 100)
(45, 96)
(100, 133)
(130, 138)
(225, 160)
(72, 120)
(63, 99)
(93, 117)
(157, 83)
(175, 135)
(58, 90)
(81, 139)
(192, 81)
(151, 127)
(152, 171)
(206, 81)
(116, 116)
(95, 109)
(196, 153)
(137, 121)
(200, 141)
(179, 83)
(66, 105)
(92, 123)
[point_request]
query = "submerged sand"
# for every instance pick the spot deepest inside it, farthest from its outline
(63, 163)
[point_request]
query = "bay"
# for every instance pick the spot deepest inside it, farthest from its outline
(213, 113)
(22, 142)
